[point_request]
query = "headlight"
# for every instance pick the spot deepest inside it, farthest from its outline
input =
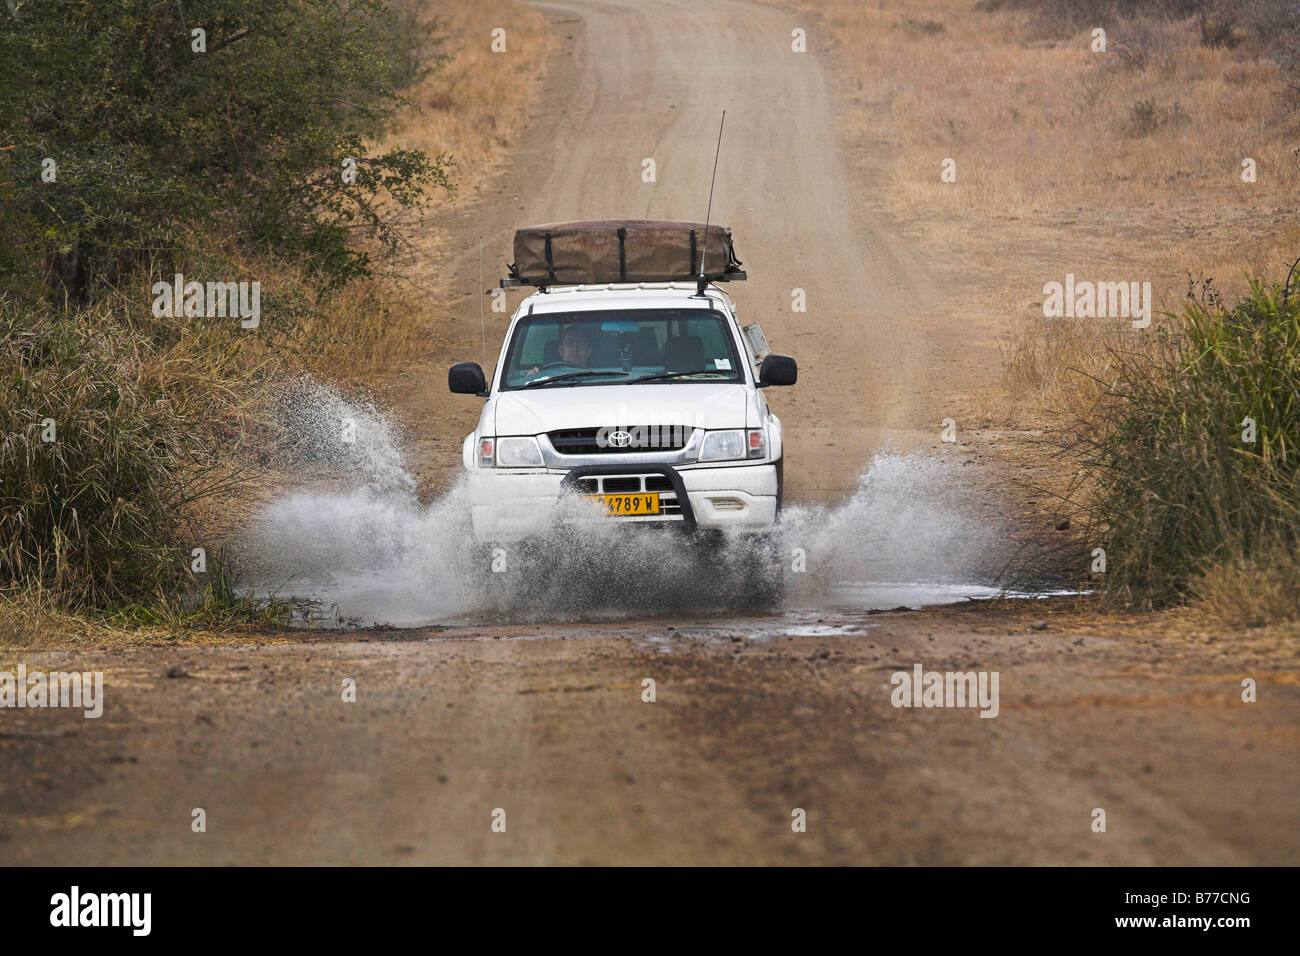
(723, 446)
(518, 453)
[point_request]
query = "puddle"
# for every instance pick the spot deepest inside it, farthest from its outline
(884, 596)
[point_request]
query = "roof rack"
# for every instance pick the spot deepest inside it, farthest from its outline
(599, 252)
(512, 282)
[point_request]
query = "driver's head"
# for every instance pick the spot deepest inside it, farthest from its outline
(575, 344)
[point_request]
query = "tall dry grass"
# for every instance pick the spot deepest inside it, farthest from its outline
(1122, 165)
(113, 430)
(1253, 591)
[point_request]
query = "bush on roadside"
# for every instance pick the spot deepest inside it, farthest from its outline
(1146, 117)
(101, 451)
(1194, 452)
(157, 422)
(124, 436)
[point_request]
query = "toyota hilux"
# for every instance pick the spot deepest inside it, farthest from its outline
(643, 400)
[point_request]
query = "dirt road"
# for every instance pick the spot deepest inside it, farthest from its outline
(632, 82)
(753, 718)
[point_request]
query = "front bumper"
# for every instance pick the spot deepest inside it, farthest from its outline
(511, 505)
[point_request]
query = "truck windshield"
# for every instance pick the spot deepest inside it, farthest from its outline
(579, 349)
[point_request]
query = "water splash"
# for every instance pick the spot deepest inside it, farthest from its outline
(373, 553)
(913, 532)
(325, 434)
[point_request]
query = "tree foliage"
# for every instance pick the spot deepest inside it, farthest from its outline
(246, 126)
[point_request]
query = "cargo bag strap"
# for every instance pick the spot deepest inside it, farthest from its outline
(550, 260)
(622, 254)
(694, 271)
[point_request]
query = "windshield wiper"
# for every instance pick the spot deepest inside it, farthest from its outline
(568, 375)
(661, 375)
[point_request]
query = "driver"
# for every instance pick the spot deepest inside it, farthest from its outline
(574, 348)
(575, 345)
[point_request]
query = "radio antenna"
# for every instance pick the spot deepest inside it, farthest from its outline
(701, 283)
(482, 322)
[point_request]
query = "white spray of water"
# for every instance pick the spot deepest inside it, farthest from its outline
(327, 434)
(909, 529)
(374, 554)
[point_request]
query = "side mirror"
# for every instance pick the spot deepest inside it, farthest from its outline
(777, 370)
(466, 378)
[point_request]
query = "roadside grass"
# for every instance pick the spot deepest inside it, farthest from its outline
(347, 331)
(122, 435)
(1058, 364)
(1252, 592)
(32, 619)
(214, 600)
(1192, 461)
(127, 440)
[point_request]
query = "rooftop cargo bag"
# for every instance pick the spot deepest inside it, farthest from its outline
(622, 250)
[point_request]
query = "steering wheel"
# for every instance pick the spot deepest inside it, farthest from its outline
(543, 368)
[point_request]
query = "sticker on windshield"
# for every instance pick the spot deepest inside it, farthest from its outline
(722, 364)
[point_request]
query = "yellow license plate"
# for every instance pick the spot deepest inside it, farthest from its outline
(629, 505)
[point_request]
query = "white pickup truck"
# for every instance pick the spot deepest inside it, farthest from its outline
(644, 398)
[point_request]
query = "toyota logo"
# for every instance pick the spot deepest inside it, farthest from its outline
(620, 439)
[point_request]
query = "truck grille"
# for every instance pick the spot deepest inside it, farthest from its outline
(643, 438)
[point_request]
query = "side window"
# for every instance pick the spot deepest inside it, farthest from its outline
(749, 355)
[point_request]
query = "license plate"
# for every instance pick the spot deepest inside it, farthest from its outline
(629, 505)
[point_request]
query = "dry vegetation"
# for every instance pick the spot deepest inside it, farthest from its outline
(167, 429)
(1116, 165)
(471, 106)
(1123, 165)
(476, 105)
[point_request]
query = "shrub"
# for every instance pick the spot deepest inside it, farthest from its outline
(1147, 116)
(1179, 487)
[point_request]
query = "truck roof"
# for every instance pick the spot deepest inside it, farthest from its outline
(639, 295)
